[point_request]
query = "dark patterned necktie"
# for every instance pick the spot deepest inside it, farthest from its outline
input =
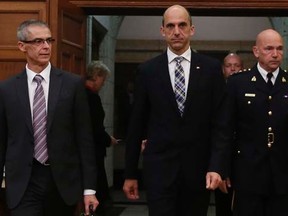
(39, 122)
(269, 81)
(179, 84)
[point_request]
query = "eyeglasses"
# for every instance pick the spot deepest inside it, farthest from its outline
(40, 41)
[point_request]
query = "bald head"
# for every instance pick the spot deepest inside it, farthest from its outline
(176, 9)
(268, 49)
(266, 35)
(232, 63)
(177, 29)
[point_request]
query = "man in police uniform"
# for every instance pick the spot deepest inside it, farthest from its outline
(256, 109)
(232, 63)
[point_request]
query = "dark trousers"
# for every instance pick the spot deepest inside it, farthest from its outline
(177, 200)
(102, 189)
(41, 197)
(190, 204)
(223, 202)
(251, 204)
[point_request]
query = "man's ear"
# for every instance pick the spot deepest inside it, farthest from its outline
(255, 51)
(21, 46)
(162, 31)
(192, 30)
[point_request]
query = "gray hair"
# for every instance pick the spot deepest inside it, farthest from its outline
(22, 30)
(97, 68)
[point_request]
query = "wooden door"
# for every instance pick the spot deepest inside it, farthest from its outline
(71, 36)
(67, 23)
(12, 61)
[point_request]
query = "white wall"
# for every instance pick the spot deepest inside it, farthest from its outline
(207, 28)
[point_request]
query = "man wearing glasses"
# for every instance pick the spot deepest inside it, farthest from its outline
(46, 144)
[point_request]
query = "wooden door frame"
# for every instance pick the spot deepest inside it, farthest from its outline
(197, 8)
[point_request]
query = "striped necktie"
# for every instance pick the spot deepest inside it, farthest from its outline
(179, 84)
(39, 122)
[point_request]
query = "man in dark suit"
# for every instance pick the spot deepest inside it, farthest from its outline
(256, 110)
(50, 180)
(181, 163)
(95, 77)
(232, 63)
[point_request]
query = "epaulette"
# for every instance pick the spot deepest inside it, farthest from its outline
(241, 71)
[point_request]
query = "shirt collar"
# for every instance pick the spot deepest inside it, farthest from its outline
(264, 73)
(45, 73)
(186, 55)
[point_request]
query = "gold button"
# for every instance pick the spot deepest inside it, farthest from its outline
(270, 129)
(249, 102)
(270, 113)
(270, 97)
(269, 145)
(238, 152)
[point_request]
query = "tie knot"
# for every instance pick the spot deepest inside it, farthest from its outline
(269, 75)
(179, 59)
(38, 79)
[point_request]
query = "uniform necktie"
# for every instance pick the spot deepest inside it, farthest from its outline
(269, 81)
(39, 122)
(179, 84)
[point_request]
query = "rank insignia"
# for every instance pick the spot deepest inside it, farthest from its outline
(253, 79)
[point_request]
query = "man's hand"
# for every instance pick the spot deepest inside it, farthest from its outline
(130, 189)
(224, 185)
(213, 180)
(90, 200)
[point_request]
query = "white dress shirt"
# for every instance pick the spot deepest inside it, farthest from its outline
(185, 64)
(264, 73)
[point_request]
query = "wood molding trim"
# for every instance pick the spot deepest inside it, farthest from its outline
(219, 4)
(201, 7)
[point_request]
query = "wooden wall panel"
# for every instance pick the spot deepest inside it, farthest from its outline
(11, 15)
(73, 42)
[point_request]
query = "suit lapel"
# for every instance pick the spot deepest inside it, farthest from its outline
(54, 90)
(23, 94)
(194, 76)
(165, 77)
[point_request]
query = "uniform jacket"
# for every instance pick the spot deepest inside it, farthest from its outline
(176, 143)
(69, 139)
(255, 113)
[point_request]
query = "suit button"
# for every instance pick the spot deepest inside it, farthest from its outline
(270, 113)
(270, 97)
(269, 129)
(269, 145)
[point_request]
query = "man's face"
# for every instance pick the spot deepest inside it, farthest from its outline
(231, 65)
(96, 83)
(177, 30)
(269, 52)
(37, 46)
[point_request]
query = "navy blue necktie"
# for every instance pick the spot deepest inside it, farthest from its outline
(269, 81)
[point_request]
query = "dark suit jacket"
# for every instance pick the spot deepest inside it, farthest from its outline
(175, 143)
(101, 137)
(69, 137)
(258, 168)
